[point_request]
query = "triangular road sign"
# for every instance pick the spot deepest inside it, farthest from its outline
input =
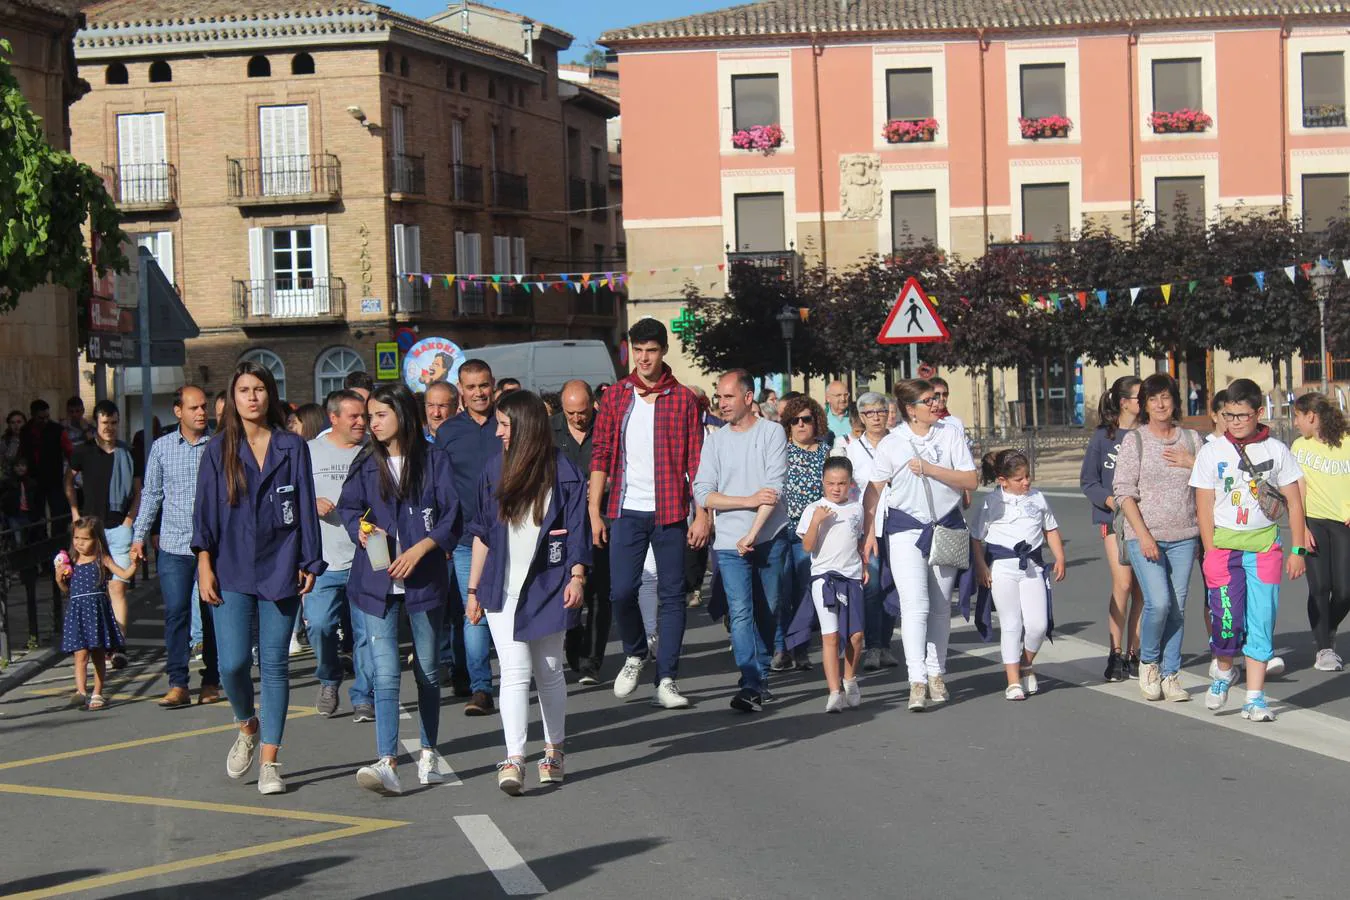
(913, 320)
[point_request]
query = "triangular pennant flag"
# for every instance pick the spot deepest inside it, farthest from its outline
(722, 267)
(566, 276)
(1228, 280)
(604, 282)
(576, 286)
(1082, 299)
(1306, 267)
(1134, 295)
(651, 271)
(595, 286)
(1289, 271)
(496, 285)
(1167, 293)
(585, 277)
(1059, 304)
(1101, 297)
(518, 278)
(804, 313)
(1190, 288)
(496, 279)
(1026, 298)
(965, 301)
(1260, 279)
(1346, 263)
(426, 279)
(449, 280)
(1054, 298)
(698, 270)
(410, 276)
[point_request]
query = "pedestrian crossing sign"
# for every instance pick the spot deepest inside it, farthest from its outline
(386, 360)
(913, 319)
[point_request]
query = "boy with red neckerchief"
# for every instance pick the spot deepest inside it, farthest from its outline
(1243, 556)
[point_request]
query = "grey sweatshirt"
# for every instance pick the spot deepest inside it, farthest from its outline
(1163, 492)
(738, 464)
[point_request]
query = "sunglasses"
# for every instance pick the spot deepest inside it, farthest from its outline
(802, 420)
(926, 401)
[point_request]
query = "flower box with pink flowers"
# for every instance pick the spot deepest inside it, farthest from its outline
(910, 131)
(1179, 121)
(764, 138)
(1035, 128)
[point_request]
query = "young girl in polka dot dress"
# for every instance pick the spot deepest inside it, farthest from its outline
(90, 630)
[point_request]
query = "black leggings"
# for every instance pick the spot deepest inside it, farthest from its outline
(1328, 580)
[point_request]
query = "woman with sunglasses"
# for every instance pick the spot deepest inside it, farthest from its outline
(1117, 414)
(804, 421)
(922, 467)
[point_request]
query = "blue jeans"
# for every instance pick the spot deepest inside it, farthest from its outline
(754, 586)
(1164, 584)
(177, 583)
(196, 615)
(796, 578)
(361, 692)
(878, 625)
(629, 537)
(322, 608)
(234, 619)
(382, 632)
(477, 638)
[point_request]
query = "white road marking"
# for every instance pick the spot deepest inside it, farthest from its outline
(403, 712)
(1079, 662)
(509, 868)
(412, 747)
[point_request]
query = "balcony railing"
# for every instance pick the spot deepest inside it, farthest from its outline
(310, 178)
(466, 183)
(510, 191)
(576, 194)
(1312, 370)
(1037, 249)
(600, 302)
(513, 300)
(783, 262)
(472, 299)
(285, 301)
(407, 174)
(599, 201)
(1325, 116)
(144, 186)
(413, 296)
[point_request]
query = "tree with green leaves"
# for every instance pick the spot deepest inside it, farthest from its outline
(47, 197)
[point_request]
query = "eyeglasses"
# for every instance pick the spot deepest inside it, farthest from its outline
(871, 412)
(802, 420)
(1131, 397)
(926, 401)
(943, 395)
(1237, 417)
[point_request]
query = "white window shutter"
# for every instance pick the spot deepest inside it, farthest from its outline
(456, 141)
(475, 247)
(257, 270)
(501, 254)
(520, 266)
(323, 291)
(164, 256)
(396, 130)
(412, 234)
(155, 149)
(400, 254)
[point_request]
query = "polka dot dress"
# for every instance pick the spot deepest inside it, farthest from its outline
(89, 621)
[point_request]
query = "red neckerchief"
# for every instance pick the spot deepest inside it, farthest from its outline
(944, 414)
(1260, 434)
(664, 383)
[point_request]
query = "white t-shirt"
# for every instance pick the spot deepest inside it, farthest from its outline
(1235, 506)
(396, 472)
(639, 467)
(837, 550)
(943, 446)
(862, 454)
(521, 542)
(1008, 520)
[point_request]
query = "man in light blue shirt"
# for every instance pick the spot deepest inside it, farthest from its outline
(740, 477)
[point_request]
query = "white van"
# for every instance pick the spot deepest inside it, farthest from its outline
(543, 366)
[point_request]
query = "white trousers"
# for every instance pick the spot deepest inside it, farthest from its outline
(647, 598)
(1019, 598)
(925, 607)
(828, 618)
(518, 660)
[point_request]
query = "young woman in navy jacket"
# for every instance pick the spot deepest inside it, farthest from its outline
(400, 489)
(531, 551)
(256, 536)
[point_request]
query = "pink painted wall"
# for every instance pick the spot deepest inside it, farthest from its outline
(1248, 74)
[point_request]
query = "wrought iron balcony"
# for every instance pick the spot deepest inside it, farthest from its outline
(512, 301)
(783, 262)
(289, 301)
(472, 300)
(1326, 116)
(407, 175)
(413, 296)
(602, 302)
(576, 194)
(510, 191)
(271, 180)
(1035, 249)
(466, 184)
(599, 201)
(143, 187)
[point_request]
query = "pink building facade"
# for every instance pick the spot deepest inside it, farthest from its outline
(1219, 113)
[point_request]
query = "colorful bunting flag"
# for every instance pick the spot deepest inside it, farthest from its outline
(1101, 297)
(1082, 299)
(1190, 288)
(1260, 279)
(1289, 271)
(426, 279)
(1167, 293)
(1134, 295)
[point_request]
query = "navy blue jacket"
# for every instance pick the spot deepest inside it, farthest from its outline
(433, 513)
(564, 541)
(260, 545)
(469, 446)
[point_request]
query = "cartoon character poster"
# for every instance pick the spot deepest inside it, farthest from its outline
(431, 360)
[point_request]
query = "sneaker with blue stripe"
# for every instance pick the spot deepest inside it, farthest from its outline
(1217, 697)
(1257, 710)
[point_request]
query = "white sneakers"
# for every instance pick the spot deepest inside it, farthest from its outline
(1150, 681)
(381, 778)
(1327, 661)
(429, 767)
(835, 704)
(668, 695)
(918, 696)
(627, 680)
(852, 696)
(240, 759)
(269, 779)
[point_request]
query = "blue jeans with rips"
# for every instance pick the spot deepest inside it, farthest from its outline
(754, 587)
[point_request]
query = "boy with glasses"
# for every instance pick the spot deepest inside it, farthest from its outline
(1242, 552)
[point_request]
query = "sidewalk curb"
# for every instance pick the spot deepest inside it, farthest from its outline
(34, 664)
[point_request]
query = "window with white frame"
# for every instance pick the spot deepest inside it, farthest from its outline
(142, 159)
(288, 272)
(1043, 90)
(508, 255)
(332, 368)
(1177, 85)
(1180, 201)
(160, 245)
(754, 101)
(1045, 212)
(1323, 89)
(759, 223)
(1325, 198)
(468, 261)
(909, 93)
(272, 363)
(408, 258)
(913, 219)
(283, 133)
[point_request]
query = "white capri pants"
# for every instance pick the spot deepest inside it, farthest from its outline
(518, 660)
(1019, 598)
(828, 618)
(925, 607)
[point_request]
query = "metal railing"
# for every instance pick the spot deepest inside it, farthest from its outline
(1323, 116)
(599, 302)
(282, 301)
(144, 185)
(472, 300)
(1312, 371)
(784, 262)
(281, 179)
(1037, 249)
(407, 174)
(466, 183)
(513, 300)
(599, 200)
(413, 296)
(26, 553)
(510, 191)
(576, 194)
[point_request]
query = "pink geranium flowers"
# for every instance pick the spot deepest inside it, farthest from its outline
(1037, 127)
(1179, 120)
(909, 131)
(764, 138)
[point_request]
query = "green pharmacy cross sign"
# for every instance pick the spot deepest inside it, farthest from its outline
(687, 325)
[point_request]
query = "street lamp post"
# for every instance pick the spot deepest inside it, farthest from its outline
(1322, 277)
(787, 321)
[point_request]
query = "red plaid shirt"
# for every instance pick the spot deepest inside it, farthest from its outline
(679, 443)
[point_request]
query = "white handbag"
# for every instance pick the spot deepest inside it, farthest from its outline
(951, 546)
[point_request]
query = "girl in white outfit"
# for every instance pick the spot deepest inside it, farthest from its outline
(1011, 525)
(920, 448)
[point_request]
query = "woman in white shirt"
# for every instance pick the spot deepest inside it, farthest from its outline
(921, 447)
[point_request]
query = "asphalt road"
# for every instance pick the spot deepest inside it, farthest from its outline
(1083, 791)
